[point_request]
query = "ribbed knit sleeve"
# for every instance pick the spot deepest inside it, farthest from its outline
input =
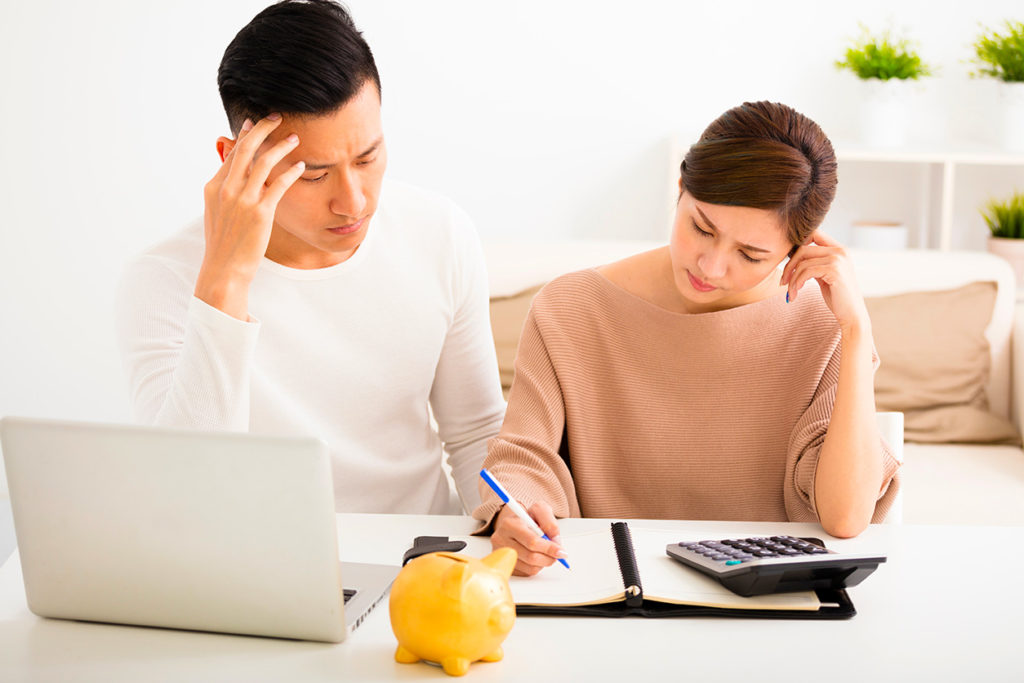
(805, 448)
(524, 456)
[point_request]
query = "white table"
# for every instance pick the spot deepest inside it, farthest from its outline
(928, 614)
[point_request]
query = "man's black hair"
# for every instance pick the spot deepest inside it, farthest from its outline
(294, 57)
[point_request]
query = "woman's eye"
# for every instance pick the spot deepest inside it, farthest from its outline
(705, 233)
(749, 258)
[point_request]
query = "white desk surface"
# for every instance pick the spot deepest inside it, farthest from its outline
(947, 606)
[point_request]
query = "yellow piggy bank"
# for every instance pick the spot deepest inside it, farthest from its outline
(453, 609)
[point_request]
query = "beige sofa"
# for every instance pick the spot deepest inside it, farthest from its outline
(947, 363)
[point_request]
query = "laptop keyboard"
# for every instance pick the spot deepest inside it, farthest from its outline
(348, 593)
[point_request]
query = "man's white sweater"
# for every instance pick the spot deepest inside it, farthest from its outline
(357, 354)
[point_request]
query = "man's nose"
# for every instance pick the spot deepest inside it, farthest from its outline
(348, 198)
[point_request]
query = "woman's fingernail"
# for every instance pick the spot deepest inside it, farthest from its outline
(247, 125)
(561, 555)
(557, 539)
(274, 117)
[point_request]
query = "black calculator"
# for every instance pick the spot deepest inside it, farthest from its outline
(774, 564)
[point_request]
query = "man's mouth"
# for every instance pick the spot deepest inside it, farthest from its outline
(347, 229)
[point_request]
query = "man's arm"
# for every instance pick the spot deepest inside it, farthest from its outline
(188, 364)
(239, 215)
(188, 354)
(466, 395)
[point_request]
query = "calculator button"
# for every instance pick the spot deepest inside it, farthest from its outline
(732, 562)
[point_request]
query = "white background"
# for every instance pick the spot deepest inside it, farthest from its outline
(545, 120)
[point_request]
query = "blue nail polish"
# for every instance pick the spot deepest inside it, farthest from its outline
(787, 297)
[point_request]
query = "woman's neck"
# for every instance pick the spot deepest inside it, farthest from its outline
(651, 277)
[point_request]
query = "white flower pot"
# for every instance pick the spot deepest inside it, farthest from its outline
(879, 235)
(1013, 251)
(1012, 105)
(885, 117)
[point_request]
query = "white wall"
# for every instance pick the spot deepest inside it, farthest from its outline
(545, 120)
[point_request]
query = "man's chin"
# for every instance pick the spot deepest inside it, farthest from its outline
(344, 245)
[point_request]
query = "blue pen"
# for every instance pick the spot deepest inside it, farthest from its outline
(513, 505)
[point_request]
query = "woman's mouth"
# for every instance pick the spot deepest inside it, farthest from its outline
(347, 229)
(698, 284)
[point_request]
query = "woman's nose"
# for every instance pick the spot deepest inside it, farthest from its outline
(711, 264)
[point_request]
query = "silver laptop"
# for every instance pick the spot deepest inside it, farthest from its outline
(181, 529)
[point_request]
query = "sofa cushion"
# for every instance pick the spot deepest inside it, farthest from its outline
(508, 313)
(935, 364)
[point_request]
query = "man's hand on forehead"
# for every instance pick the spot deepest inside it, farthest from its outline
(241, 201)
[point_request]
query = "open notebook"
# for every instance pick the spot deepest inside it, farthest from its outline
(601, 583)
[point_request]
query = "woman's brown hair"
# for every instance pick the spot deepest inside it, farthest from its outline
(765, 155)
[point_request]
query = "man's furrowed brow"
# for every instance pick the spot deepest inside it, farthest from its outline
(319, 166)
(372, 148)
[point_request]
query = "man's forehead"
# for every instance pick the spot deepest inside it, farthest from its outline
(318, 163)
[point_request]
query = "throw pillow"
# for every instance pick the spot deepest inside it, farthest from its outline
(935, 364)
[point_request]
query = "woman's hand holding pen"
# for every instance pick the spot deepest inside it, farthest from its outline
(534, 552)
(825, 260)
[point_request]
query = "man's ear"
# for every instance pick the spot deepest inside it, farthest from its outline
(224, 147)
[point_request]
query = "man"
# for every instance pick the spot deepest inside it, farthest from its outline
(314, 298)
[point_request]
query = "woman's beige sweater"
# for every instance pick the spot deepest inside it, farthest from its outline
(668, 415)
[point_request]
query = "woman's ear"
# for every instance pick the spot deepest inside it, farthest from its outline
(224, 147)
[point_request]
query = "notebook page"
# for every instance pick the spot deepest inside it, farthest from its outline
(667, 580)
(594, 578)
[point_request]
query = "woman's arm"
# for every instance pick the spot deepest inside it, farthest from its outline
(848, 478)
(525, 458)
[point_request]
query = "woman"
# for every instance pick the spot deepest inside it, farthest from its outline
(704, 380)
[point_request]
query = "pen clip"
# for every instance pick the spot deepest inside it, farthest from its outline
(495, 486)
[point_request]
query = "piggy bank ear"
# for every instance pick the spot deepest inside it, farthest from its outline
(503, 560)
(453, 581)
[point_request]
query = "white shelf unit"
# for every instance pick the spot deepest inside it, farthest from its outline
(946, 162)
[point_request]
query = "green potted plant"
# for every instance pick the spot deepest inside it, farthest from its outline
(885, 65)
(1000, 55)
(1005, 219)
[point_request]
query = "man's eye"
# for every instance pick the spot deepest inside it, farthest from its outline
(366, 162)
(316, 179)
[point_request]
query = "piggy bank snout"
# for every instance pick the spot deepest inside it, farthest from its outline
(502, 618)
